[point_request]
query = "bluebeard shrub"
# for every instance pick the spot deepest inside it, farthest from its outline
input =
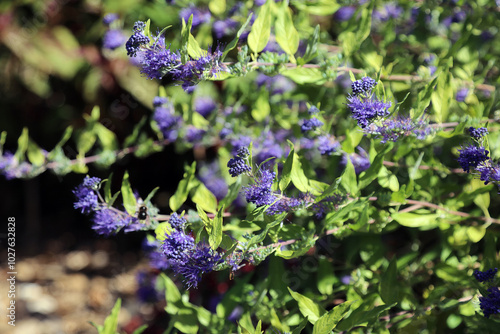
(490, 302)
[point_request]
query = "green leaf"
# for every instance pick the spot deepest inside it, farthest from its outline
(361, 317)
(301, 326)
(368, 176)
(232, 194)
(140, 329)
(476, 233)
(298, 177)
(308, 307)
(285, 177)
(326, 276)
(234, 42)
(85, 141)
(185, 185)
(349, 181)
(261, 29)
(262, 235)
(133, 137)
(194, 49)
(107, 188)
(22, 145)
(35, 155)
(415, 220)
(203, 197)
(286, 34)
(302, 75)
(151, 194)
(262, 108)
(106, 137)
(185, 33)
(111, 322)
(217, 7)
(388, 288)
(365, 24)
(424, 98)
(172, 294)
(327, 322)
(215, 237)
(317, 7)
(129, 200)
(312, 47)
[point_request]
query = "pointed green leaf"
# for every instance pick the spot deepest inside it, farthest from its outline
(301, 326)
(349, 181)
(312, 47)
(151, 194)
(308, 307)
(129, 200)
(111, 322)
(22, 145)
(215, 237)
(185, 185)
(298, 177)
(35, 155)
(261, 28)
(285, 177)
(388, 288)
(415, 220)
(365, 24)
(286, 34)
(327, 322)
(234, 42)
(232, 193)
(107, 188)
(203, 197)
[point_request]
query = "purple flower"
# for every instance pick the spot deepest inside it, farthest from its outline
(485, 276)
(389, 11)
(107, 222)
(313, 110)
(489, 172)
(241, 141)
(226, 131)
(237, 166)
(310, 124)
(224, 27)
(471, 156)
(87, 199)
(361, 162)
(490, 304)
(364, 111)
(109, 18)
(136, 40)
(477, 133)
(327, 145)
(199, 16)
(259, 2)
(204, 106)
(344, 13)
(158, 101)
(394, 128)
(198, 261)
(177, 222)
(194, 135)
(113, 39)
(158, 61)
(157, 259)
(284, 204)
(462, 94)
(261, 193)
(176, 246)
(12, 169)
(167, 121)
(363, 86)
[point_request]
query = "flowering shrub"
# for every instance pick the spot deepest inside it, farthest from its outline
(361, 138)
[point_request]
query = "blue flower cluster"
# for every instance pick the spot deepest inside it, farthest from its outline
(260, 193)
(11, 168)
(310, 124)
(164, 116)
(156, 60)
(471, 156)
(490, 303)
(184, 256)
(477, 133)
(361, 161)
(399, 126)
(365, 107)
(107, 220)
(238, 165)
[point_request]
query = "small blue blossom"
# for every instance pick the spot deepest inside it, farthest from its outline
(194, 135)
(176, 246)
(327, 145)
(110, 18)
(237, 166)
(490, 304)
(363, 86)
(136, 40)
(477, 133)
(158, 101)
(261, 193)
(400, 126)
(199, 16)
(485, 276)
(242, 152)
(198, 261)
(310, 124)
(313, 110)
(167, 121)
(241, 141)
(489, 172)
(471, 156)
(87, 199)
(344, 13)
(177, 222)
(107, 222)
(462, 94)
(113, 39)
(365, 111)
(285, 204)
(158, 61)
(361, 162)
(205, 106)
